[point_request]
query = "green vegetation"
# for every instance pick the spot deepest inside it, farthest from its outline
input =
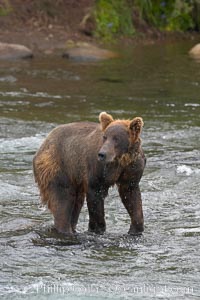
(113, 17)
(109, 19)
(5, 8)
(172, 15)
(116, 17)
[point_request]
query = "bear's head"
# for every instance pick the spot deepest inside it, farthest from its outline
(121, 139)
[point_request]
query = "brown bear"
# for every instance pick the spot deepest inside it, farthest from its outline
(82, 160)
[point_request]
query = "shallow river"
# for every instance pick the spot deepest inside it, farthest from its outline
(161, 83)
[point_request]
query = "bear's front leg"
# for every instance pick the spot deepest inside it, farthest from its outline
(95, 203)
(131, 198)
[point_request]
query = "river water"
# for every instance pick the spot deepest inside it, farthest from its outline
(161, 83)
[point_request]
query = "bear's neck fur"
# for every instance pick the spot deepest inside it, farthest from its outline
(131, 156)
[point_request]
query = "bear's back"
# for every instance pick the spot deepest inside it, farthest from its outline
(70, 147)
(73, 129)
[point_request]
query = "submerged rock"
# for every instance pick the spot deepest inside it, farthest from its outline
(14, 51)
(87, 52)
(195, 51)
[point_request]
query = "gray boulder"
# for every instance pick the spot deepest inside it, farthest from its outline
(14, 51)
(195, 51)
(87, 52)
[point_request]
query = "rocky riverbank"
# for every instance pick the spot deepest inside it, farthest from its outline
(44, 29)
(58, 29)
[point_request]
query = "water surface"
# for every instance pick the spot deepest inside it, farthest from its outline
(161, 83)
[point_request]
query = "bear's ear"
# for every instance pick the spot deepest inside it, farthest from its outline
(105, 119)
(136, 128)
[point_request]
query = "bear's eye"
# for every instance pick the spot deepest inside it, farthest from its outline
(104, 138)
(115, 138)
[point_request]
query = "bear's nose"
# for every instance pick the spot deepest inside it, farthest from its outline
(101, 156)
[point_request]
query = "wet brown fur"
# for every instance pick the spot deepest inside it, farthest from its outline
(106, 120)
(67, 170)
(45, 169)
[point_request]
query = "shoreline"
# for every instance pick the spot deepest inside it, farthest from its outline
(55, 39)
(47, 29)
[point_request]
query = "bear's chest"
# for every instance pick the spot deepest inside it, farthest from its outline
(109, 174)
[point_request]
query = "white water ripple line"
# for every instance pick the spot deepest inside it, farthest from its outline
(8, 78)
(183, 169)
(192, 104)
(23, 144)
(23, 94)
